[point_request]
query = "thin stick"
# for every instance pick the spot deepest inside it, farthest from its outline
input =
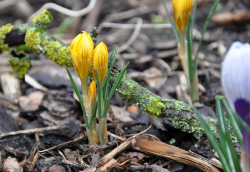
(132, 38)
(132, 26)
(62, 145)
(65, 11)
(33, 131)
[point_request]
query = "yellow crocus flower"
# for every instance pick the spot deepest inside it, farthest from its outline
(81, 49)
(92, 94)
(100, 61)
(182, 9)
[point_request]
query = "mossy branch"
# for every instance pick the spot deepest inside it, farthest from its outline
(178, 113)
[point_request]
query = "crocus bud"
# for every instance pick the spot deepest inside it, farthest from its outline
(182, 9)
(92, 94)
(81, 49)
(236, 84)
(100, 61)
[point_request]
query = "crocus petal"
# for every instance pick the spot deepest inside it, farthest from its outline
(81, 49)
(235, 73)
(182, 8)
(236, 84)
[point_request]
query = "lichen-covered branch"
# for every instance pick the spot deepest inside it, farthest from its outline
(179, 114)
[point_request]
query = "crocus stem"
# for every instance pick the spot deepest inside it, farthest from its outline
(102, 131)
(194, 88)
(182, 53)
(92, 133)
(245, 154)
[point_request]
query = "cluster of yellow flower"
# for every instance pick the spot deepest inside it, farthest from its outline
(87, 59)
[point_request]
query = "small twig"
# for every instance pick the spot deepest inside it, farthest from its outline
(130, 13)
(132, 26)
(62, 145)
(33, 131)
(133, 36)
(74, 164)
(115, 136)
(65, 11)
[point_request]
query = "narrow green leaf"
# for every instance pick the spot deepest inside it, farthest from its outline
(243, 123)
(79, 97)
(99, 96)
(93, 115)
(213, 140)
(116, 83)
(225, 138)
(204, 30)
(189, 48)
(65, 25)
(193, 18)
(109, 74)
(172, 22)
(232, 121)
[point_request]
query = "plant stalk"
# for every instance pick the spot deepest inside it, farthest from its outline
(102, 131)
(92, 133)
(183, 54)
(194, 88)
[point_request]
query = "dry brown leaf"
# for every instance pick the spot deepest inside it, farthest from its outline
(108, 164)
(133, 109)
(57, 168)
(171, 152)
(154, 77)
(231, 17)
(32, 101)
(121, 114)
(11, 165)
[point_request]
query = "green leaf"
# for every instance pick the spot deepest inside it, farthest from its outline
(117, 81)
(79, 97)
(243, 123)
(193, 18)
(65, 25)
(93, 115)
(233, 121)
(172, 22)
(189, 48)
(213, 141)
(204, 30)
(99, 96)
(225, 139)
(106, 88)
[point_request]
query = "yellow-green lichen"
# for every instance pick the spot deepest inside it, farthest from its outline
(4, 30)
(180, 106)
(155, 106)
(128, 95)
(32, 39)
(20, 66)
(130, 85)
(57, 52)
(43, 18)
(188, 125)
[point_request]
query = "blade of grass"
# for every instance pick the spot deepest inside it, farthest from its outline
(213, 140)
(93, 114)
(172, 22)
(117, 81)
(189, 48)
(225, 138)
(193, 18)
(243, 123)
(65, 25)
(79, 97)
(233, 121)
(108, 74)
(99, 96)
(204, 30)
